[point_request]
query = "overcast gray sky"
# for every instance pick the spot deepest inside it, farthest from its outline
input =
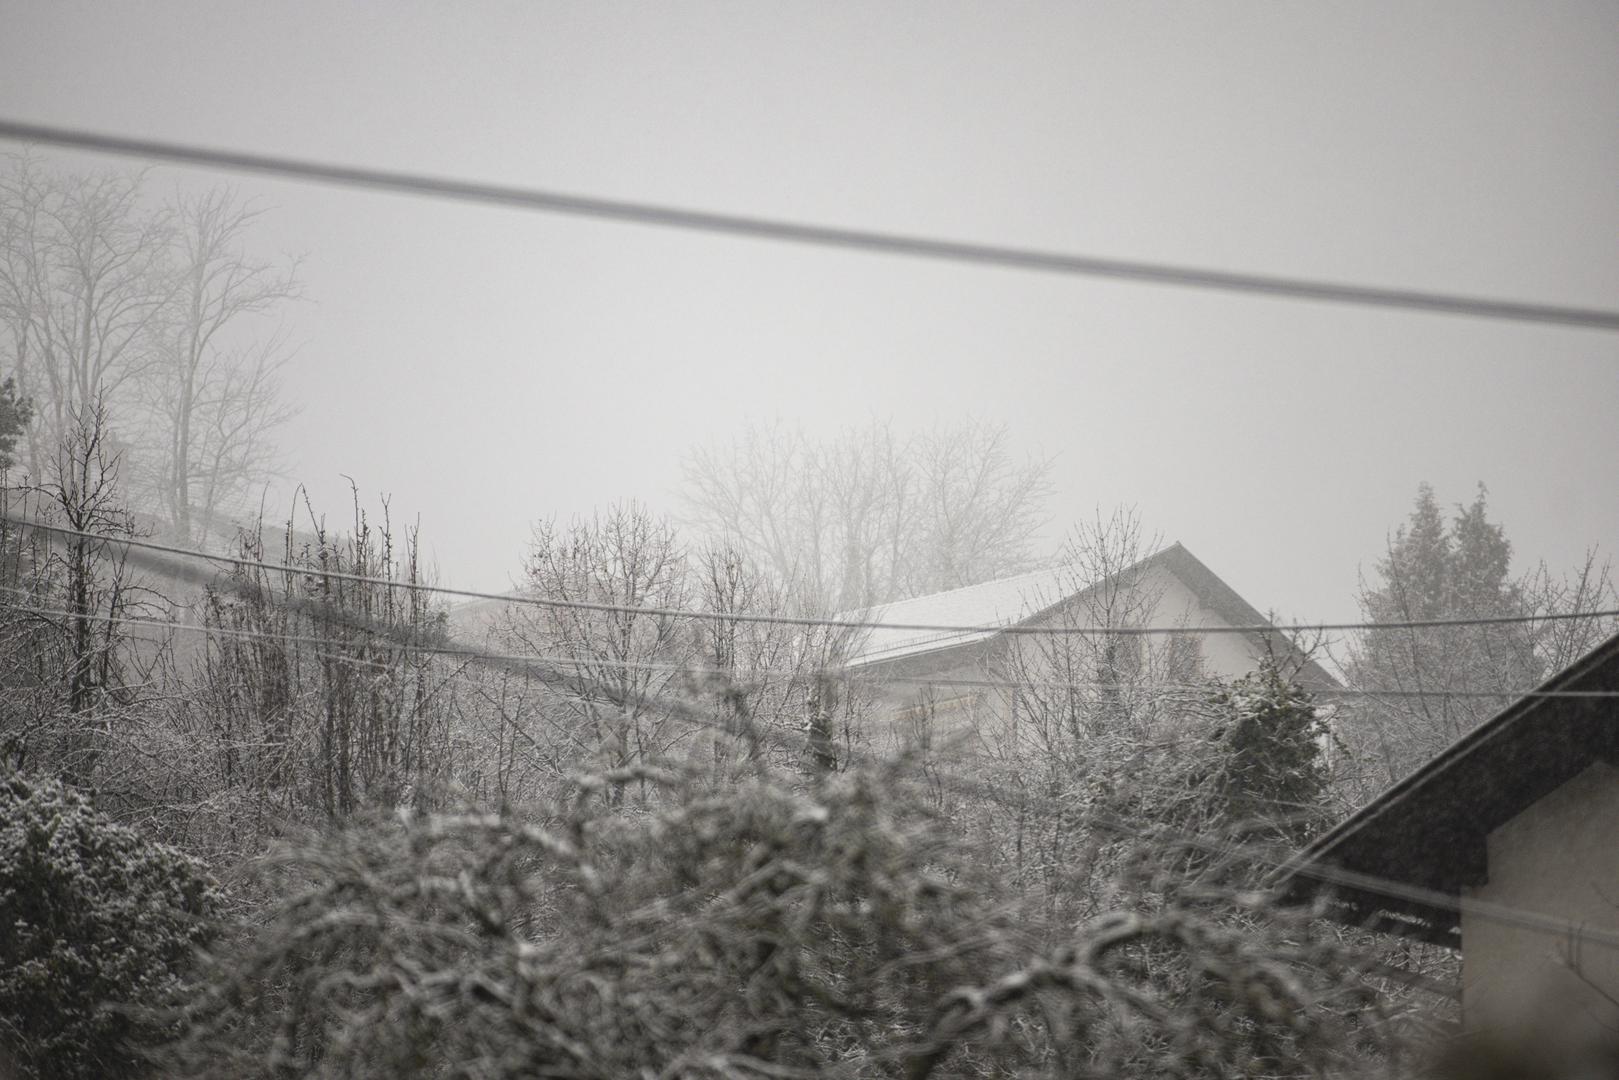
(489, 367)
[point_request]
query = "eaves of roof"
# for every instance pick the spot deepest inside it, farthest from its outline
(1211, 591)
(1429, 831)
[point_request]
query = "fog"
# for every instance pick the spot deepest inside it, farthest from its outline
(488, 368)
(785, 651)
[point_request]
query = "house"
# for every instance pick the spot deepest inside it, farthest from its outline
(1506, 846)
(936, 670)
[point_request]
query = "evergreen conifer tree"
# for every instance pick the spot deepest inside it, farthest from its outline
(15, 413)
(96, 924)
(1438, 569)
(1270, 769)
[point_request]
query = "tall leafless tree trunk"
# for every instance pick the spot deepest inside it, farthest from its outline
(154, 315)
(215, 402)
(869, 515)
(84, 285)
(622, 661)
(89, 581)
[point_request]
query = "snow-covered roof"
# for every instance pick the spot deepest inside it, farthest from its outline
(994, 605)
(990, 605)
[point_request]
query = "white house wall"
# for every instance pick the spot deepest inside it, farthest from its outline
(956, 715)
(1229, 656)
(1559, 858)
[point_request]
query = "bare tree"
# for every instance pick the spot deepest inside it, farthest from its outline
(869, 515)
(148, 312)
(1073, 687)
(768, 929)
(69, 652)
(781, 692)
(84, 284)
(1091, 720)
(214, 403)
(315, 693)
(1588, 588)
(621, 661)
(977, 508)
(1428, 685)
(744, 659)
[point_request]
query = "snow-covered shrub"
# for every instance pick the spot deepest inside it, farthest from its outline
(1269, 762)
(96, 924)
(776, 927)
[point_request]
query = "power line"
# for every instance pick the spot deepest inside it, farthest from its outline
(1385, 887)
(746, 675)
(761, 228)
(951, 779)
(681, 709)
(799, 620)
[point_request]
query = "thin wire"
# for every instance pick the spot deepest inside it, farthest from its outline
(959, 784)
(750, 675)
(950, 778)
(902, 245)
(625, 697)
(315, 641)
(1387, 888)
(805, 621)
(814, 235)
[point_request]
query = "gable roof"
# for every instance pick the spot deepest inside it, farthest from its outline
(992, 606)
(988, 606)
(1429, 831)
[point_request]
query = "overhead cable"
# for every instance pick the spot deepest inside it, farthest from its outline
(405, 644)
(1385, 887)
(806, 621)
(824, 236)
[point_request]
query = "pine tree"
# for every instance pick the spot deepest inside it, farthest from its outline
(15, 414)
(96, 922)
(1416, 570)
(1436, 569)
(1269, 761)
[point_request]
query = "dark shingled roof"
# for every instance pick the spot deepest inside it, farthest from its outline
(1428, 832)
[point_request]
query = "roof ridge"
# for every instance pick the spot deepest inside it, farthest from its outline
(887, 605)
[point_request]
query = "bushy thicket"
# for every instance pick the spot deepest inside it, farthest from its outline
(98, 925)
(744, 881)
(777, 928)
(1268, 765)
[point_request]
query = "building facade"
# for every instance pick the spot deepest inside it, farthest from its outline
(1506, 847)
(1033, 632)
